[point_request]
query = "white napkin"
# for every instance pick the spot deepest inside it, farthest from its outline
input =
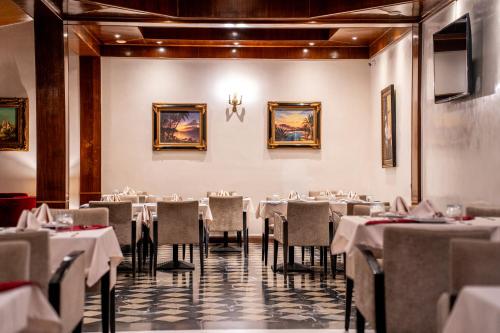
(128, 191)
(293, 195)
(43, 214)
(425, 209)
(111, 198)
(352, 195)
(28, 220)
(173, 197)
(400, 206)
(145, 216)
(223, 193)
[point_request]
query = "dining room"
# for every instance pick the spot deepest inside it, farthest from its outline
(253, 166)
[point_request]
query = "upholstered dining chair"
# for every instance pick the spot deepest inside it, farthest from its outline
(473, 262)
(482, 211)
(400, 293)
(65, 288)
(14, 260)
(128, 231)
(228, 217)
(86, 216)
(305, 224)
(178, 223)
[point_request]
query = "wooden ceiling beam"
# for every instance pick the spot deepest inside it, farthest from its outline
(391, 36)
(82, 41)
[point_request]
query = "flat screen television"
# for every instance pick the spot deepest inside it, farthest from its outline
(453, 61)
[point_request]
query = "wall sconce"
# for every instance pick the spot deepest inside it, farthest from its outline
(234, 101)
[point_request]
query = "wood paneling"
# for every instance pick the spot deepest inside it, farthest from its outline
(239, 53)
(416, 117)
(10, 13)
(52, 155)
(82, 42)
(390, 36)
(90, 129)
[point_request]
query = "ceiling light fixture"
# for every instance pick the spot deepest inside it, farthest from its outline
(161, 49)
(233, 50)
(235, 34)
(311, 44)
(117, 36)
(236, 43)
(305, 50)
(121, 41)
(354, 37)
(159, 42)
(65, 35)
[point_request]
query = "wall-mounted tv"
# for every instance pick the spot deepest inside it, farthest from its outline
(453, 61)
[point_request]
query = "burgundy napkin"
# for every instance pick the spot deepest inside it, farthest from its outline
(390, 221)
(6, 286)
(82, 227)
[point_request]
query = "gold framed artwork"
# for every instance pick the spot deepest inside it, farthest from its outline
(14, 124)
(294, 124)
(388, 127)
(179, 126)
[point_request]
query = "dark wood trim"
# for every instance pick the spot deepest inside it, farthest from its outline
(427, 13)
(416, 116)
(391, 36)
(90, 129)
(239, 52)
(82, 42)
(52, 153)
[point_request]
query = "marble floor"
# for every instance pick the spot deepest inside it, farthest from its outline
(234, 293)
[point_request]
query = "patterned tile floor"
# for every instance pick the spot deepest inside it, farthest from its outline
(234, 293)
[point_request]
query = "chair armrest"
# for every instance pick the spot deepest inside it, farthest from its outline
(281, 217)
(58, 276)
(371, 260)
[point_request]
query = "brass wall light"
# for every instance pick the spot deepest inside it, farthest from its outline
(234, 101)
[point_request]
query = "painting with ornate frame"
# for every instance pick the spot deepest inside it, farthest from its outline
(14, 125)
(294, 124)
(388, 101)
(179, 126)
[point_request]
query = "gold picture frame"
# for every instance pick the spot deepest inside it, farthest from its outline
(294, 125)
(179, 126)
(388, 117)
(14, 124)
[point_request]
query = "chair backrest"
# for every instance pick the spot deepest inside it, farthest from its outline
(14, 260)
(479, 211)
(39, 267)
(178, 222)
(86, 216)
(227, 213)
(317, 193)
(308, 223)
(129, 198)
(152, 199)
(416, 268)
(120, 217)
(361, 210)
(474, 262)
(362, 197)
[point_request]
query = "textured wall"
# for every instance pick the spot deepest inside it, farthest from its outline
(461, 139)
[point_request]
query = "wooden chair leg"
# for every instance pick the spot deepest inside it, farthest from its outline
(320, 257)
(263, 246)
(285, 258)
(238, 238)
(275, 255)
(191, 253)
(303, 248)
(105, 306)
(151, 257)
(183, 251)
(311, 251)
(139, 256)
(333, 264)
(112, 310)
(360, 322)
(133, 247)
(201, 234)
(325, 261)
(348, 303)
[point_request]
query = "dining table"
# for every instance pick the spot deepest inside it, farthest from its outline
(26, 308)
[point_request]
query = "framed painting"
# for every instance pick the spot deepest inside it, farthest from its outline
(179, 126)
(294, 124)
(14, 126)
(388, 127)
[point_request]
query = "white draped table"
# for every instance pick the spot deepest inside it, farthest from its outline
(203, 209)
(267, 208)
(102, 252)
(477, 309)
(353, 231)
(27, 306)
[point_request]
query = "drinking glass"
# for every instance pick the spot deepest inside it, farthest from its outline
(377, 209)
(454, 211)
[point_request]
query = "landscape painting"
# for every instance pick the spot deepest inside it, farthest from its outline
(294, 124)
(388, 127)
(13, 124)
(179, 126)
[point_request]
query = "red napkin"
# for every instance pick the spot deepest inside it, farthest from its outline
(6, 286)
(82, 227)
(375, 222)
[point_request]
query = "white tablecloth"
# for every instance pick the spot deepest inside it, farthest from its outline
(267, 208)
(477, 309)
(101, 250)
(353, 231)
(26, 305)
(203, 210)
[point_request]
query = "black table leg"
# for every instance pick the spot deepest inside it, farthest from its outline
(266, 240)
(105, 304)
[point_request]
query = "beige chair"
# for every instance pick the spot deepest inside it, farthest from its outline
(178, 223)
(306, 224)
(153, 199)
(473, 262)
(129, 198)
(400, 294)
(227, 213)
(14, 260)
(361, 210)
(482, 211)
(86, 216)
(127, 230)
(65, 288)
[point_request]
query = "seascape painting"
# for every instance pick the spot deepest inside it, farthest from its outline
(294, 124)
(13, 124)
(179, 126)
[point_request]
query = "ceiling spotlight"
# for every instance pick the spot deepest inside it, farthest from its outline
(235, 34)
(161, 49)
(121, 41)
(117, 36)
(159, 42)
(236, 43)
(65, 35)
(354, 37)
(233, 50)
(128, 53)
(311, 44)
(393, 12)
(305, 50)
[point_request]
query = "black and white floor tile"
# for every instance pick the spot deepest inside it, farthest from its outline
(234, 293)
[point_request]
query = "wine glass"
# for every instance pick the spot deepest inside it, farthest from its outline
(454, 211)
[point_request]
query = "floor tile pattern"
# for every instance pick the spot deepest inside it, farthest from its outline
(233, 293)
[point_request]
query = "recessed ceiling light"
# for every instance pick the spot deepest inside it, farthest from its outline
(305, 50)
(228, 25)
(354, 37)
(121, 41)
(161, 49)
(159, 42)
(393, 12)
(128, 53)
(236, 43)
(235, 34)
(117, 36)
(233, 50)
(65, 35)
(311, 44)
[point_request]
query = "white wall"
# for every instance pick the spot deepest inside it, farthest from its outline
(17, 79)
(461, 139)
(74, 129)
(237, 157)
(392, 66)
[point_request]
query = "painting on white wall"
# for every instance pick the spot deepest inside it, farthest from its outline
(388, 127)
(14, 124)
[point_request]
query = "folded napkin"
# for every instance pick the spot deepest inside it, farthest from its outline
(173, 197)
(223, 193)
(128, 191)
(400, 206)
(28, 220)
(82, 227)
(6, 286)
(145, 216)
(43, 214)
(111, 198)
(293, 195)
(352, 195)
(425, 209)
